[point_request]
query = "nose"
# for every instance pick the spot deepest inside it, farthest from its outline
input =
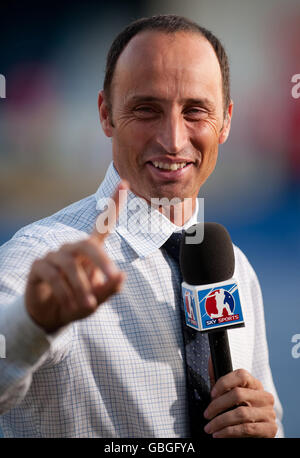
(172, 135)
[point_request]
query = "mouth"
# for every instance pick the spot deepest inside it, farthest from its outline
(169, 170)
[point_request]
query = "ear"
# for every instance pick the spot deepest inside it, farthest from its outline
(104, 115)
(226, 124)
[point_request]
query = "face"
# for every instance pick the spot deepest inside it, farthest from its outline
(167, 114)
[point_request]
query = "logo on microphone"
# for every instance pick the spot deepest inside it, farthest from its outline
(219, 304)
(212, 307)
(190, 309)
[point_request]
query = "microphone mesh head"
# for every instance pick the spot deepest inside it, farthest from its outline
(210, 261)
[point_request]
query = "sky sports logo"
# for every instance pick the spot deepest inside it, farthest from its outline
(213, 307)
(222, 320)
(220, 307)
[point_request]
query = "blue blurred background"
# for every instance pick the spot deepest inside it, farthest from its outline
(53, 152)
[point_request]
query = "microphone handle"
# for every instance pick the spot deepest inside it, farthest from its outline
(220, 353)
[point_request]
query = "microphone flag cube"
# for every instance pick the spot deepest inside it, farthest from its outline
(214, 306)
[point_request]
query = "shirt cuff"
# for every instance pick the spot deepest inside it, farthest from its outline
(25, 341)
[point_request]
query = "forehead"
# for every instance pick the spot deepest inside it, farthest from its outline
(180, 63)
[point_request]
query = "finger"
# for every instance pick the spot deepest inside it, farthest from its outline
(104, 287)
(42, 272)
(236, 397)
(239, 377)
(91, 249)
(110, 287)
(106, 221)
(75, 276)
(238, 416)
(96, 278)
(259, 429)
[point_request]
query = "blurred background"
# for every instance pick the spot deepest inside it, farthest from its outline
(53, 152)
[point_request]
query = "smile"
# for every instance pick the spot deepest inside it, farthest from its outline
(169, 166)
(168, 170)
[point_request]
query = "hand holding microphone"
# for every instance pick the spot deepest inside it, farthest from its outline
(239, 407)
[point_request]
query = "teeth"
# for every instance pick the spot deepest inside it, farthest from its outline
(174, 166)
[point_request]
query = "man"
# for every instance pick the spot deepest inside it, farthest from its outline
(83, 361)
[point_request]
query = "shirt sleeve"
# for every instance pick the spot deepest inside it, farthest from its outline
(26, 345)
(261, 366)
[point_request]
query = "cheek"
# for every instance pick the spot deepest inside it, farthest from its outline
(205, 139)
(133, 136)
(129, 145)
(207, 132)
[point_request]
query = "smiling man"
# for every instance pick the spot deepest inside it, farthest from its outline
(166, 113)
(83, 361)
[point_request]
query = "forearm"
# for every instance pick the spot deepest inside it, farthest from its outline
(26, 348)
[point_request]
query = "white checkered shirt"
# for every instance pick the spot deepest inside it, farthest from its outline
(121, 371)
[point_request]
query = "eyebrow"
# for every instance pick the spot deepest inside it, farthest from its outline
(204, 102)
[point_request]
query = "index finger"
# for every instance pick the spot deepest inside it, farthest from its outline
(107, 219)
(237, 378)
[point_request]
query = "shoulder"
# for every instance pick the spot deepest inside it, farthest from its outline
(69, 224)
(249, 287)
(243, 268)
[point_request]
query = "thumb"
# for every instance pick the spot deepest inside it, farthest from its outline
(211, 373)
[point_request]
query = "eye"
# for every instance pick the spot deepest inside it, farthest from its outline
(145, 112)
(195, 113)
(144, 109)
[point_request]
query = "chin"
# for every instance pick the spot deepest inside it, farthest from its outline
(169, 194)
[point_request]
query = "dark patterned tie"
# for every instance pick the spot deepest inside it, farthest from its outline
(197, 354)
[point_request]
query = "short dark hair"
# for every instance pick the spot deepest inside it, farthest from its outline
(168, 23)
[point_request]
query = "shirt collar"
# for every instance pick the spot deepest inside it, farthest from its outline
(143, 227)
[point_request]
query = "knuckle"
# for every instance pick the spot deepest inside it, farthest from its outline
(274, 429)
(92, 306)
(89, 303)
(248, 429)
(243, 375)
(270, 399)
(238, 394)
(272, 415)
(229, 432)
(221, 384)
(259, 385)
(242, 413)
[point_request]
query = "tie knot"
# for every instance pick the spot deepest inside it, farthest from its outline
(172, 245)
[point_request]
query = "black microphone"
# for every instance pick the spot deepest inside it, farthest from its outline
(210, 294)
